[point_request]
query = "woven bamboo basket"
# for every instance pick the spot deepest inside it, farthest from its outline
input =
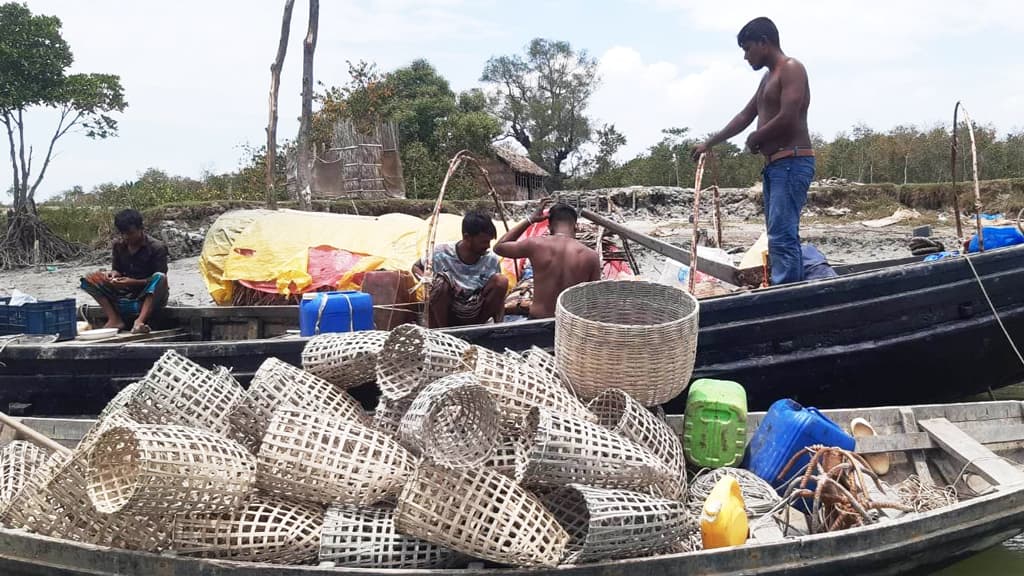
(558, 449)
(619, 412)
(453, 421)
(268, 529)
(542, 360)
(387, 417)
(610, 524)
(413, 357)
(319, 458)
(277, 383)
(507, 449)
(18, 461)
(345, 359)
(363, 537)
(520, 387)
(178, 391)
(166, 469)
(481, 513)
(61, 508)
(116, 409)
(637, 336)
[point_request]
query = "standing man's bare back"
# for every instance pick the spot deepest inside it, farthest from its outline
(559, 260)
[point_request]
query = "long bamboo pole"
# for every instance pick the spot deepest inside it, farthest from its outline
(696, 222)
(33, 436)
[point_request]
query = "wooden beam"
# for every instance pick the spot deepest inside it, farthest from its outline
(724, 272)
(917, 457)
(972, 453)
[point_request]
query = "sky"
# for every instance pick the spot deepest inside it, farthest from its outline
(196, 72)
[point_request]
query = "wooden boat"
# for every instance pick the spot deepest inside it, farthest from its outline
(881, 333)
(978, 446)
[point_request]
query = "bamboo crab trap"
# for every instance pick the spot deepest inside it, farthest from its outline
(607, 524)
(413, 357)
(453, 421)
(278, 384)
(363, 537)
(346, 359)
(267, 529)
(319, 458)
(18, 461)
(640, 337)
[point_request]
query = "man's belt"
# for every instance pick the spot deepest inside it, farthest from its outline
(796, 151)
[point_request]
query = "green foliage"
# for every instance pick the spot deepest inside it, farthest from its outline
(542, 99)
(33, 57)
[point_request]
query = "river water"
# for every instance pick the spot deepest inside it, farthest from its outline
(1007, 558)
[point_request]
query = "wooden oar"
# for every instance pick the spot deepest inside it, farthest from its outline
(33, 435)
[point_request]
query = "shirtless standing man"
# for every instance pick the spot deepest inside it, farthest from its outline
(559, 260)
(780, 106)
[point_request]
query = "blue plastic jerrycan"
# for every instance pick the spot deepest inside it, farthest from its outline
(323, 312)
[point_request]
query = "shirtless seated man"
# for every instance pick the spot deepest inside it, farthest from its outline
(468, 286)
(559, 260)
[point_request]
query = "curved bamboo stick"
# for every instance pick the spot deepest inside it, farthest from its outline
(696, 218)
(977, 186)
(952, 168)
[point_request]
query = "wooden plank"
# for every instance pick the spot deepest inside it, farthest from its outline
(917, 457)
(992, 434)
(724, 272)
(969, 451)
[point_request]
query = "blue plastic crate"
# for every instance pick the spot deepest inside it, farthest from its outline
(58, 317)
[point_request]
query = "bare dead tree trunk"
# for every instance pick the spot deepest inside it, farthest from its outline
(275, 86)
(308, 49)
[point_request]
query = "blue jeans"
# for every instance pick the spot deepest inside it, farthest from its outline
(785, 184)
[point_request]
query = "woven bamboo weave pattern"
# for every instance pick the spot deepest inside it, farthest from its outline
(453, 421)
(268, 529)
(560, 449)
(506, 452)
(18, 461)
(345, 359)
(481, 513)
(168, 469)
(277, 383)
(117, 409)
(607, 524)
(311, 456)
(544, 361)
(362, 537)
(519, 387)
(387, 417)
(17, 511)
(637, 336)
(619, 412)
(179, 391)
(413, 357)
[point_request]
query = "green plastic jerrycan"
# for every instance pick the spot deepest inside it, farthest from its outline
(715, 428)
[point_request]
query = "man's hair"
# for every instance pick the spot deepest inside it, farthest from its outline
(757, 30)
(125, 220)
(476, 222)
(562, 212)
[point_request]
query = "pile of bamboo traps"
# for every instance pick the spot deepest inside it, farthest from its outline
(470, 456)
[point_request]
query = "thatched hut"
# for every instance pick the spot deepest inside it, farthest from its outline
(514, 176)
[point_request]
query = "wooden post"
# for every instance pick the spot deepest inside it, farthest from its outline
(306, 120)
(275, 85)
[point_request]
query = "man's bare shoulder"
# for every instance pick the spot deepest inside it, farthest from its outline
(792, 66)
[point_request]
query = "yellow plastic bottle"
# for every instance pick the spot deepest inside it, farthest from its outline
(724, 519)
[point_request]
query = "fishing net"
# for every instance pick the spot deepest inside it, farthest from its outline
(479, 512)
(413, 357)
(453, 421)
(362, 537)
(168, 469)
(345, 359)
(759, 497)
(267, 529)
(277, 383)
(310, 456)
(607, 524)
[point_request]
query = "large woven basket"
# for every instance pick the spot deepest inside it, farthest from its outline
(268, 529)
(558, 449)
(166, 469)
(453, 422)
(482, 513)
(278, 383)
(606, 524)
(518, 386)
(637, 336)
(413, 357)
(363, 537)
(345, 359)
(178, 391)
(319, 458)
(620, 413)
(18, 461)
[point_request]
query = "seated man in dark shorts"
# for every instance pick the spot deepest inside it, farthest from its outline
(136, 284)
(467, 286)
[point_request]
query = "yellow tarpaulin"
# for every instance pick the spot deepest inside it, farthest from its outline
(264, 246)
